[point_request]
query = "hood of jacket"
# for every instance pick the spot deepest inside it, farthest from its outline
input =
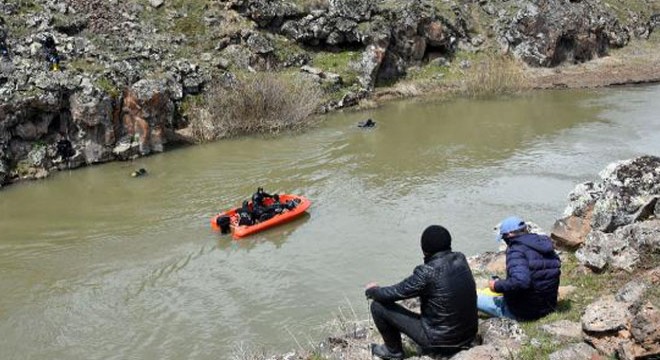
(540, 243)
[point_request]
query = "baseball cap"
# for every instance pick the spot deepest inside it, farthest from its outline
(510, 224)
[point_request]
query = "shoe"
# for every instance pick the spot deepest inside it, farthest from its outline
(384, 352)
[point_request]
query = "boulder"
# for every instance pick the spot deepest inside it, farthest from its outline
(370, 63)
(632, 292)
(267, 14)
(579, 351)
(92, 114)
(623, 249)
(571, 231)
(554, 32)
(626, 187)
(502, 333)
(357, 10)
(481, 352)
(605, 316)
(645, 327)
(564, 330)
(147, 111)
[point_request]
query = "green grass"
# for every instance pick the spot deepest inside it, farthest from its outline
(589, 287)
(339, 63)
(108, 86)
(621, 8)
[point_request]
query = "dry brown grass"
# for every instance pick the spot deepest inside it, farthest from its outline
(309, 5)
(494, 76)
(256, 103)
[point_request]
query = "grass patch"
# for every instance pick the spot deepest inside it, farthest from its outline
(311, 5)
(108, 86)
(589, 287)
(621, 9)
(86, 65)
(494, 76)
(256, 103)
(339, 63)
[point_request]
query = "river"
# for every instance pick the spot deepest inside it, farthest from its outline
(99, 265)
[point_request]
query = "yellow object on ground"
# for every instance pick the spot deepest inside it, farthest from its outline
(488, 292)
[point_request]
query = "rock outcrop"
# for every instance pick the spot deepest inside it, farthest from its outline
(613, 220)
(106, 48)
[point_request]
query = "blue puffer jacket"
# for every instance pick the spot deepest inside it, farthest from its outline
(533, 270)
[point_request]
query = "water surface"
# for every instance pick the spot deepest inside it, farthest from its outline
(98, 265)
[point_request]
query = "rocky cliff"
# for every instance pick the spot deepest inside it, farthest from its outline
(128, 68)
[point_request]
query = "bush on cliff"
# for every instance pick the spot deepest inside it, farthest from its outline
(255, 103)
(495, 75)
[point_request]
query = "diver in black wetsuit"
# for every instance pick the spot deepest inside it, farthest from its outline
(245, 215)
(4, 51)
(50, 53)
(261, 211)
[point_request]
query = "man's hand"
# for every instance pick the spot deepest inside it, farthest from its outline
(370, 285)
(491, 285)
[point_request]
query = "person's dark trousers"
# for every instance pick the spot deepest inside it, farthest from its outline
(392, 319)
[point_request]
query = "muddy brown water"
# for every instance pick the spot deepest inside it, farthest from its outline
(99, 265)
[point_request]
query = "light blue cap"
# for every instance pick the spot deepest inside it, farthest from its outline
(510, 224)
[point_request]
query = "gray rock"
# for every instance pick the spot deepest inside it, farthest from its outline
(34, 129)
(358, 10)
(370, 63)
(580, 351)
(601, 249)
(564, 330)
(570, 232)
(37, 156)
(626, 187)
(259, 44)
(605, 315)
(156, 3)
(92, 113)
(632, 292)
(644, 327)
(4, 172)
(643, 236)
(502, 332)
(481, 352)
(559, 32)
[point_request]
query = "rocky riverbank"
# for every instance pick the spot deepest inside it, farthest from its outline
(132, 70)
(609, 302)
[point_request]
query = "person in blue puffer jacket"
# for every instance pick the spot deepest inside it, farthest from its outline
(533, 269)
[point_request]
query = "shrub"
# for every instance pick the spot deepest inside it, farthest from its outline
(496, 75)
(255, 103)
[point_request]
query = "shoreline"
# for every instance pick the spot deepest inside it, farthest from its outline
(605, 310)
(636, 64)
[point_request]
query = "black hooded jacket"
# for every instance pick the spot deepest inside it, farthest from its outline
(447, 293)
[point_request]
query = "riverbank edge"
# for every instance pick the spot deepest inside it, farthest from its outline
(635, 65)
(600, 312)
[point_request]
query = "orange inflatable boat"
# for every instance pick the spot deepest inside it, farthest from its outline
(286, 215)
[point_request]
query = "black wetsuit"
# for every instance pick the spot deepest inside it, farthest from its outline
(4, 52)
(245, 215)
(50, 52)
(262, 212)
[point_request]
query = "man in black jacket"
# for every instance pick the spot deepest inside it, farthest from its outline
(447, 293)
